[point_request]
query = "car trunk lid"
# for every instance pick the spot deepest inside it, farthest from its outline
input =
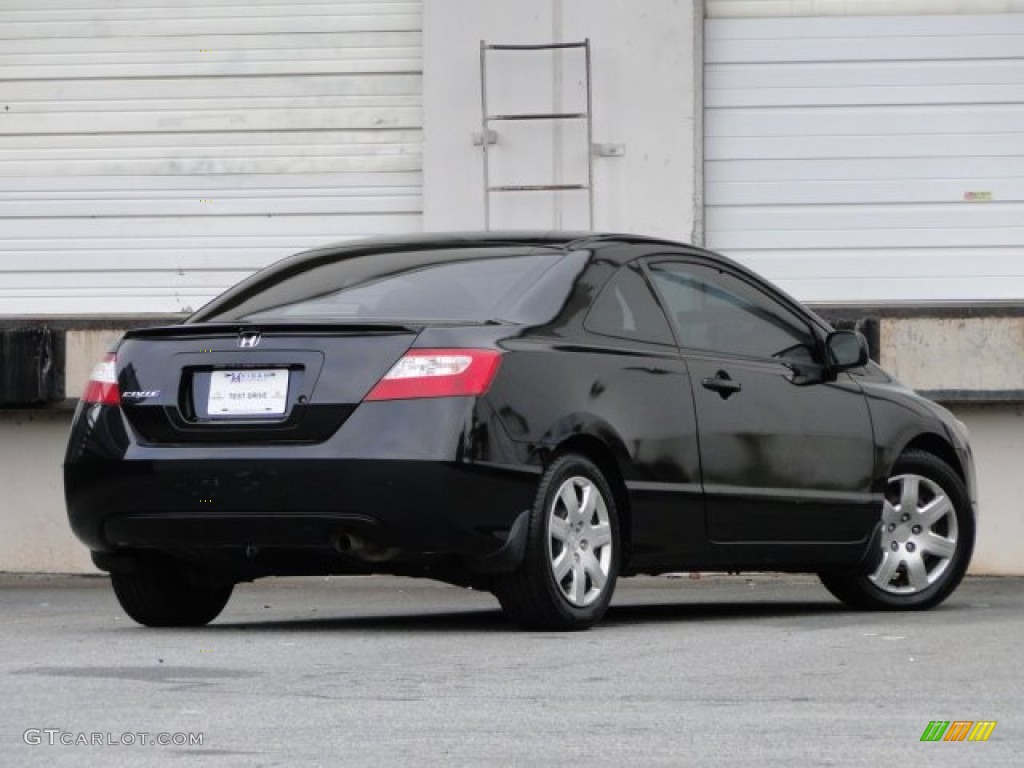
(245, 383)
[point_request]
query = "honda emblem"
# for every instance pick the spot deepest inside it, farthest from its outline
(249, 340)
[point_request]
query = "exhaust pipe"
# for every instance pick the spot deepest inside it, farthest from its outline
(350, 545)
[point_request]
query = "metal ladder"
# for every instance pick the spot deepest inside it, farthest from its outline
(488, 135)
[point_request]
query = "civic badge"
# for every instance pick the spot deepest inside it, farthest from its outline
(248, 340)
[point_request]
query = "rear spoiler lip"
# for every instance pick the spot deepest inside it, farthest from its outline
(284, 329)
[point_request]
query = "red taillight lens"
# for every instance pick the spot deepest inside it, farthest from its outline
(438, 373)
(102, 386)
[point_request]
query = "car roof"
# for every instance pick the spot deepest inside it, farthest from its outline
(566, 240)
(614, 249)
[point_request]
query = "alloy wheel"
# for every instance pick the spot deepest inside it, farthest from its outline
(919, 535)
(580, 542)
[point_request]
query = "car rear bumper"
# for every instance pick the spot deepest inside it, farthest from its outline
(356, 507)
(370, 493)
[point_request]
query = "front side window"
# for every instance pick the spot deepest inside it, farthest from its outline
(715, 310)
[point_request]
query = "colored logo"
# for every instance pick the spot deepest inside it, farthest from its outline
(959, 730)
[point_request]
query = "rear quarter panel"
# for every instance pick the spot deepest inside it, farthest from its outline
(634, 401)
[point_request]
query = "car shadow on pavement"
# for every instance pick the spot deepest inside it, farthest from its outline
(723, 611)
(495, 621)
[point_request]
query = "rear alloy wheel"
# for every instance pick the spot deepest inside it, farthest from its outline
(571, 563)
(161, 596)
(926, 538)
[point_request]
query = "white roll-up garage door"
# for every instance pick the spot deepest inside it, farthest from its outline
(152, 153)
(869, 159)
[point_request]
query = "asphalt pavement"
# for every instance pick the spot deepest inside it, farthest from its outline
(759, 670)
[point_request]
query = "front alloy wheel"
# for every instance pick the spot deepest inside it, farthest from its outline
(926, 537)
(569, 570)
(919, 535)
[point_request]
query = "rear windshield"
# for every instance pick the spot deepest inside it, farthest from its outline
(469, 285)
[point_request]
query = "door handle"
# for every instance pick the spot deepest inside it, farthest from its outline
(722, 384)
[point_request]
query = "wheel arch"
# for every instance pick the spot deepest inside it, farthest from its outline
(939, 447)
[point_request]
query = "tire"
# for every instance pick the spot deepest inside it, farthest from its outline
(571, 562)
(925, 549)
(163, 597)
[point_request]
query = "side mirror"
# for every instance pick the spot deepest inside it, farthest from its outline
(846, 349)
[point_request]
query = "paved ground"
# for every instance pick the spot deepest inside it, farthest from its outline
(724, 671)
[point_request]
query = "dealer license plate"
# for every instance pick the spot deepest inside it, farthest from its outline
(248, 392)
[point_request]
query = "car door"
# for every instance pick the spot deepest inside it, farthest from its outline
(786, 456)
(642, 393)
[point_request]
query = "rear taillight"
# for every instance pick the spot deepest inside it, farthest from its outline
(102, 386)
(438, 373)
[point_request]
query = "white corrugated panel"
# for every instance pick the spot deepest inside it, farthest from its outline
(766, 8)
(154, 152)
(869, 159)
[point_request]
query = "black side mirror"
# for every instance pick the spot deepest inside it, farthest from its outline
(846, 349)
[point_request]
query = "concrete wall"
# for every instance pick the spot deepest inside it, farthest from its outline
(646, 96)
(34, 532)
(950, 355)
(997, 437)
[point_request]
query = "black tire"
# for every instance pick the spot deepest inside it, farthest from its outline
(533, 596)
(161, 596)
(890, 583)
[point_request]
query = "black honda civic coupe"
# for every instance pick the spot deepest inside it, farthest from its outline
(531, 414)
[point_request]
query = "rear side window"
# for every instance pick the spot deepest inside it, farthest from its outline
(627, 309)
(473, 285)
